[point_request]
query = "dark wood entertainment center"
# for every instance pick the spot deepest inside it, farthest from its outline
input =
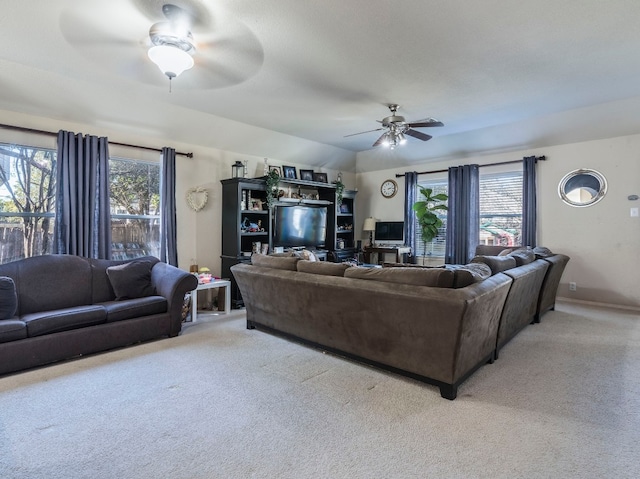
(246, 220)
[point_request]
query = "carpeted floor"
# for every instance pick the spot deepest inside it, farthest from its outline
(563, 401)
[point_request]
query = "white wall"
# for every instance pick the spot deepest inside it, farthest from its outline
(603, 241)
(199, 235)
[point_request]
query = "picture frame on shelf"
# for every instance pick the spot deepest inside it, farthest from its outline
(289, 172)
(345, 208)
(276, 168)
(256, 204)
(320, 177)
(306, 175)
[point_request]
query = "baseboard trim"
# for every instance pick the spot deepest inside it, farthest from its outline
(635, 309)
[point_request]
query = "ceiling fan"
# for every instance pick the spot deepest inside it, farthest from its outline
(117, 36)
(397, 127)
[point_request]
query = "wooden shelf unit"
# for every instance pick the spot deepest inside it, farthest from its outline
(240, 195)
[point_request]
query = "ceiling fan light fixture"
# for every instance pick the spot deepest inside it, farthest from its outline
(401, 139)
(171, 60)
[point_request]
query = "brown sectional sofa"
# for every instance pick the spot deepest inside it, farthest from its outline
(57, 307)
(419, 326)
(437, 325)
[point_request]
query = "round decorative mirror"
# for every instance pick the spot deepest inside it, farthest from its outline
(582, 187)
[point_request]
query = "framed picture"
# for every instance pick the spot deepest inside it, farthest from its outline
(306, 175)
(289, 172)
(276, 168)
(320, 177)
(256, 204)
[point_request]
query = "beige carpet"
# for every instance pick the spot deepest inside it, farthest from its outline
(563, 401)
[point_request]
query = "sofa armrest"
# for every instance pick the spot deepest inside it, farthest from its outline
(173, 283)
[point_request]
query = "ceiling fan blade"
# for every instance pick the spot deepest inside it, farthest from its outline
(362, 132)
(417, 134)
(379, 140)
(425, 124)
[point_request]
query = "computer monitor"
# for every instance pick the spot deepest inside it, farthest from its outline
(389, 232)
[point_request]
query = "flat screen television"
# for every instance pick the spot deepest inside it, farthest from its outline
(300, 225)
(389, 232)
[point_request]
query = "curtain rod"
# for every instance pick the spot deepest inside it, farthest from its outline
(538, 158)
(51, 133)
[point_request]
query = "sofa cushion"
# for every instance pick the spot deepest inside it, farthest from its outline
(496, 263)
(542, 252)
(523, 256)
(47, 322)
(131, 280)
(464, 275)
(70, 274)
(436, 277)
(277, 262)
(134, 308)
(12, 330)
(8, 298)
(322, 267)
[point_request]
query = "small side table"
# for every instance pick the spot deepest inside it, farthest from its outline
(218, 283)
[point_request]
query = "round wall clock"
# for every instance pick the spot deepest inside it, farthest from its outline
(389, 188)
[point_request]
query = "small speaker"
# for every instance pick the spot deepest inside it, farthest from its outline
(359, 245)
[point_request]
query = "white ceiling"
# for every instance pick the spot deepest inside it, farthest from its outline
(501, 74)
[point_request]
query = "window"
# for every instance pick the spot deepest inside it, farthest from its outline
(27, 201)
(436, 247)
(134, 189)
(501, 209)
(27, 204)
(500, 212)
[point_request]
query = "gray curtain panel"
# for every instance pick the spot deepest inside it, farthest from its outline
(410, 197)
(168, 224)
(529, 206)
(463, 217)
(83, 219)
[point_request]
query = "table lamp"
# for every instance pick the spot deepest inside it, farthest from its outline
(370, 226)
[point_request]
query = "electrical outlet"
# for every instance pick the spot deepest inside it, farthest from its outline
(634, 212)
(572, 286)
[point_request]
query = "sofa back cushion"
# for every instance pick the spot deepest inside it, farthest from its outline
(496, 263)
(464, 275)
(322, 267)
(277, 262)
(52, 281)
(436, 277)
(131, 280)
(523, 256)
(542, 252)
(8, 298)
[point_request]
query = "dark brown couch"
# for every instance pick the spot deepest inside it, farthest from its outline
(68, 306)
(407, 320)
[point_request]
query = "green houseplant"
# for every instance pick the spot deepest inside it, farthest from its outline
(339, 191)
(426, 213)
(273, 181)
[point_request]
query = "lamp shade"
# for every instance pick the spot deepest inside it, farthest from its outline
(369, 224)
(171, 61)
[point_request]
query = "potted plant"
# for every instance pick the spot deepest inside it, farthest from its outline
(273, 181)
(339, 190)
(426, 210)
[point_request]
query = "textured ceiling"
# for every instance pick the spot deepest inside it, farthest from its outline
(501, 75)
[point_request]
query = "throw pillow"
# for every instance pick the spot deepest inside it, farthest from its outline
(542, 252)
(496, 263)
(131, 280)
(8, 298)
(523, 256)
(464, 275)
